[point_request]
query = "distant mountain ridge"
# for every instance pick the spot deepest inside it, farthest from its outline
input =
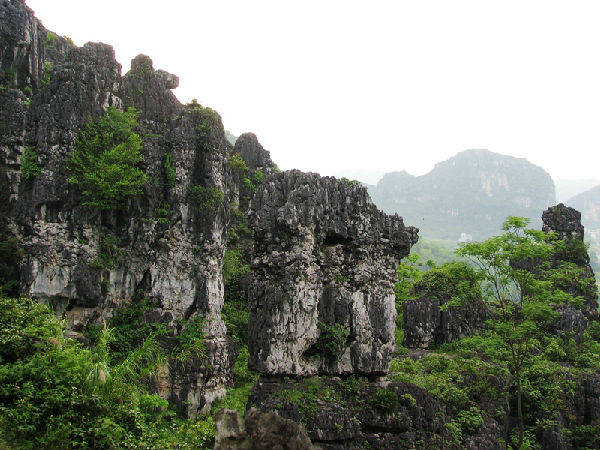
(567, 189)
(472, 193)
(588, 203)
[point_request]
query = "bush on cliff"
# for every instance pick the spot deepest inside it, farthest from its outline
(105, 163)
(55, 394)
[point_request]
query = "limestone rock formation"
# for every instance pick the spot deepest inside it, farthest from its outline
(355, 414)
(168, 247)
(259, 431)
(324, 266)
(566, 223)
(252, 152)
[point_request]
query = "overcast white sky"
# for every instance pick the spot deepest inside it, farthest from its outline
(385, 85)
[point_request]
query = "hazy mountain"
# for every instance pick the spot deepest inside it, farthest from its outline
(471, 193)
(366, 176)
(566, 189)
(230, 137)
(588, 203)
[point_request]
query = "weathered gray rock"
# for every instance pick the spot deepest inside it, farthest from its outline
(252, 152)
(324, 264)
(260, 431)
(339, 415)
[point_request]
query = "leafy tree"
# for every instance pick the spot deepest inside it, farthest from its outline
(104, 165)
(519, 294)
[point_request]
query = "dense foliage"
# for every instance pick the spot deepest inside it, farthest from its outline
(105, 162)
(55, 394)
(29, 164)
(528, 369)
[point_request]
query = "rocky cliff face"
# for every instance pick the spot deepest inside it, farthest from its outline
(472, 193)
(168, 248)
(325, 256)
(323, 272)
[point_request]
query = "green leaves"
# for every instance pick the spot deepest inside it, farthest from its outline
(104, 165)
(29, 163)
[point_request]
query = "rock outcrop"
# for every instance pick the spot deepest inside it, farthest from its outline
(355, 414)
(252, 152)
(259, 431)
(324, 267)
(566, 223)
(168, 247)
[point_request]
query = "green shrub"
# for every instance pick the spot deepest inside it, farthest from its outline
(108, 254)
(408, 400)
(47, 69)
(51, 39)
(331, 340)
(190, 340)
(210, 199)
(257, 176)
(237, 163)
(129, 329)
(104, 165)
(169, 170)
(385, 400)
(351, 183)
(244, 379)
(249, 185)
(469, 420)
(29, 164)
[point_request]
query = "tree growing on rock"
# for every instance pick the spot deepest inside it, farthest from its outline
(520, 295)
(104, 165)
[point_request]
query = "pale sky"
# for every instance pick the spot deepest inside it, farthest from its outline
(381, 85)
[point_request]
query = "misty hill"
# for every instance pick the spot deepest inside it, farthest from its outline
(366, 176)
(588, 203)
(472, 193)
(567, 189)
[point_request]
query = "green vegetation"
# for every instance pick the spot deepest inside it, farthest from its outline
(108, 253)
(209, 121)
(10, 257)
(331, 341)
(47, 70)
(55, 394)
(237, 163)
(51, 39)
(351, 183)
(522, 303)
(104, 165)
(518, 358)
(257, 177)
(169, 170)
(29, 163)
(385, 400)
(207, 199)
(191, 340)
(235, 310)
